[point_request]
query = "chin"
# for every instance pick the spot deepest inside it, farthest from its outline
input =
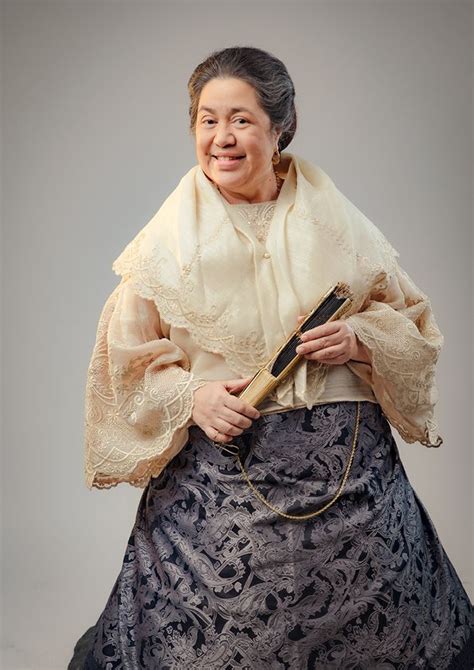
(223, 178)
(229, 184)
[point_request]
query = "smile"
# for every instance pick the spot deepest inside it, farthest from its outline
(228, 158)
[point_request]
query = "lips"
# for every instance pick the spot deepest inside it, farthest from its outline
(227, 158)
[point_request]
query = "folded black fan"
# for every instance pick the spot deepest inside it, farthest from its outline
(331, 307)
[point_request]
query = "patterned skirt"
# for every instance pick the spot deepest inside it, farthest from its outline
(212, 579)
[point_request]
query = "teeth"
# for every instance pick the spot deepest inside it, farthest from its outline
(226, 158)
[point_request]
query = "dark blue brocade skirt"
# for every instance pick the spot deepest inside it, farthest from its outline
(214, 580)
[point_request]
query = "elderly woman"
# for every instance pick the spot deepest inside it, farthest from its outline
(286, 534)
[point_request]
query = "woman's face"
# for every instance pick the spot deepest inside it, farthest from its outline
(234, 140)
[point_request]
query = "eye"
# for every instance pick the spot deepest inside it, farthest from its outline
(241, 119)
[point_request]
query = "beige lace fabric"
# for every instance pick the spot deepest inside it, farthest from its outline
(403, 358)
(139, 394)
(203, 296)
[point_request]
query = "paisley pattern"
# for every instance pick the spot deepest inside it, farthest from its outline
(213, 580)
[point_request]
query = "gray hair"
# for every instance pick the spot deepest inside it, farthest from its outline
(266, 73)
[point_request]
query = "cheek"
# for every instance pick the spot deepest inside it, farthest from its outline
(201, 142)
(202, 153)
(259, 149)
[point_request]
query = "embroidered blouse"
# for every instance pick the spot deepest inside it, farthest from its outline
(144, 371)
(341, 382)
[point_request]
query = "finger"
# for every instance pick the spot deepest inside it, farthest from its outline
(241, 407)
(234, 418)
(233, 385)
(214, 435)
(326, 354)
(226, 428)
(321, 331)
(220, 437)
(334, 352)
(317, 345)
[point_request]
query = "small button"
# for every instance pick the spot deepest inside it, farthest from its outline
(266, 255)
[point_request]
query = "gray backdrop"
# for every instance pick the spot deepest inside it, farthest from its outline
(94, 122)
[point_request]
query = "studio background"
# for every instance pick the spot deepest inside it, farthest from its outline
(95, 135)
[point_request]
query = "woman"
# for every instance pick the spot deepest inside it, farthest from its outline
(312, 550)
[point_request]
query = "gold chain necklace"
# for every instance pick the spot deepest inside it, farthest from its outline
(279, 182)
(285, 515)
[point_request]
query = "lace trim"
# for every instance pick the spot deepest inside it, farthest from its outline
(122, 448)
(209, 329)
(376, 275)
(403, 362)
(136, 414)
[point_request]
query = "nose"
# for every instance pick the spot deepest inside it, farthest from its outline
(224, 136)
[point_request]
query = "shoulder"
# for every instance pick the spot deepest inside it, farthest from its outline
(162, 228)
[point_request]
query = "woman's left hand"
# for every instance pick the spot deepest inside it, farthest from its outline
(333, 343)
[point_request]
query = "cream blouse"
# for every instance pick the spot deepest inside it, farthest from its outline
(341, 382)
(164, 366)
(145, 367)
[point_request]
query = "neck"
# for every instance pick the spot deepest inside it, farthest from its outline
(267, 190)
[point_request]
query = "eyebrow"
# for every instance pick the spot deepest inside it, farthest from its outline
(233, 110)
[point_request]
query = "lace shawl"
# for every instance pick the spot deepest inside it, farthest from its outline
(193, 268)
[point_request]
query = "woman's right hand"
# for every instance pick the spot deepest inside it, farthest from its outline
(221, 415)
